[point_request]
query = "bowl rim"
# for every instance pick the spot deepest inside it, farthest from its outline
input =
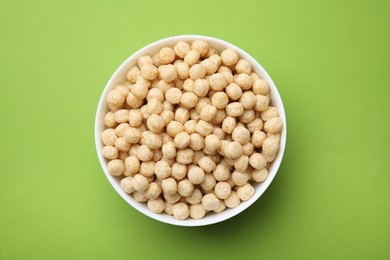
(215, 217)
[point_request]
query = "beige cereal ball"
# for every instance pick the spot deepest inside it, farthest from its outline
(155, 123)
(169, 150)
(241, 163)
(108, 136)
(109, 120)
(146, 168)
(196, 142)
(134, 149)
(182, 115)
(115, 98)
(195, 197)
(197, 156)
(167, 72)
(182, 140)
(188, 85)
(269, 113)
(233, 150)
(180, 211)
(271, 145)
(229, 57)
(218, 81)
(139, 196)
(162, 170)
(197, 211)
(211, 52)
(144, 112)
(185, 187)
(189, 100)
(243, 66)
(203, 128)
(268, 157)
(189, 126)
(167, 55)
(155, 93)
(260, 87)
(244, 81)
(259, 175)
(173, 95)
(156, 60)
(229, 124)
(135, 118)
(234, 109)
(152, 140)
(219, 117)
(121, 116)
(179, 171)
(248, 100)
(144, 153)
(209, 182)
(211, 144)
(181, 49)
(140, 183)
(202, 102)
(239, 178)
(164, 86)
(247, 117)
(184, 156)
(245, 192)
(207, 164)
(196, 175)
(222, 190)
(144, 60)
(192, 57)
(255, 125)
(174, 128)
(140, 91)
(149, 71)
(123, 88)
(273, 125)
(166, 138)
(208, 113)
(169, 161)
(110, 152)
(233, 200)
(197, 71)
(234, 91)
(116, 167)
(247, 149)
(134, 102)
(183, 71)
(221, 207)
(217, 131)
(254, 76)
(142, 81)
(194, 115)
(201, 87)
(241, 135)
(156, 205)
(262, 103)
(167, 116)
(127, 185)
(258, 138)
(210, 202)
(133, 74)
(168, 208)
(153, 191)
(122, 145)
(220, 100)
(172, 198)
(132, 135)
(201, 46)
(257, 161)
(169, 186)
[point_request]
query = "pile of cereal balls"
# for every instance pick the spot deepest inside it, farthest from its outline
(190, 130)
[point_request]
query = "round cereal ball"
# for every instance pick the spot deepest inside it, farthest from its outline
(248, 99)
(182, 140)
(164, 86)
(196, 142)
(135, 118)
(234, 91)
(218, 81)
(201, 46)
(168, 208)
(133, 74)
(220, 100)
(208, 113)
(169, 186)
(222, 190)
(218, 132)
(167, 55)
(188, 85)
(273, 125)
(180, 211)
(221, 207)
(262, 103)
(255, 125)
(247, 117)
(134, 102)
(240, 178)
(156, 205)
(146, 168)
(244, 81)
(268, 157)
(197, 71)
(144, 60)
(127, 185)
(189, 100)
(203, 128)
(257, 161)
(241, 134)
(207, 164)
(202, 102)
(140, 91)
(144, 153)
(132, 165)
(201, 87)
(258, 138)
(174, 127)
(259, 175)
(245, 192)
(182, 115)
(210, 202)
(192, 57)
(260, 86)
(149, 71)
(152, 140)
(162, 170)
(271, 145)
(209, 182)
(269, 113)
(167, 116)
(115, 98)
(154, 106)
(183, 70)
(121, 116)
(234, 109)
(153, 191)
(229, 124)
(241, 163)
(185, 187)
(184, 156)
(212, 144)
(116, 167)
(233, 150)
(233, 200)
(243, 66)
(172, 198)
(169, 150)
(229, 57)
(195, 197)
(189, 126)
(155, 123)
(197, 211)
(247, 149)
(173, 95)
(140, 183)
(139, 196)
(196, 175)
(132, 135)
(122, 145)
(219, 117)
(108, 136)
(167, 72)
(181, 49)
(179, 171)
(109, 120)
(110, 152)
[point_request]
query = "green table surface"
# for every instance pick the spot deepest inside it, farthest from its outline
(331, 63)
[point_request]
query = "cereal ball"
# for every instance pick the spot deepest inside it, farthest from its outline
(153, 191)
(164, 86)
(247, 149)
(184, 156)
(188, 85)
(183, 70)
(197, 71)
(269, 113)
(167, 116)
(168, 208)
(244, 81)
(115, 98)
(167, 55)
(233, 200)
(257, 161)
(229, 124)
(248, 99)
(196, 175)
(273, 125)
(169, 150)
(109, 120)
(218, 81)
(241, 163)
(116, 167)
(247, 117)
(239, 178)
(243, 66)
(108, 136)
(123, 88)
(196, 142)
(173, 95)
(144, 60)
(195, 197)
(271, 145)
(149, 71)
(162, 170)
(197, 211)
(142, 81)
(181, 49)
(201, 46)
(208, 113)
(172, 198)
(255, 125)
(218, 132)
(121, 116)
(166, 138)
(234, 109)
(167, 72)
(189, 126)
(133, 74)
(134, 149)
(110, 152)
(254, 76)
(156, 205)
(241, 134)
(211, 52)
(132, 135)
(146, 168)
(220, 100)
(182, 140)
(155, 123)
(154, 106)
(180, 211)
(135, 118)
(122, 145)
(268, 156)
(192, 57)
(259, 175)
(169, 186)
(188, 100)
(201, 87)
(234, 91)
(207, 164)
(229, 57)
(194, 115)
(156, 60)
(203, 128)
(258, 138)
(144, 113)
(144, 153)
(140, 183)
(133, 101)
(209, 182)
(185, 187)
(222, 190)
(212, 144)
(179, 171)
(221, 207)
(152, 140)
(210, 201)
(182, 115)
(245, 192)
(127, 184)
(260, 87)
(174, 127)
(139, 196)
(233, 150)
(262, 103)
(139, 91)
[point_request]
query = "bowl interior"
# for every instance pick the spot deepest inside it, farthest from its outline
(120, 76)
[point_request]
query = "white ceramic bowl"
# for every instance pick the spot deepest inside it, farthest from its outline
(120, 76)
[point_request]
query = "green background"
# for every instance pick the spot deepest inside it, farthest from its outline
(330, 61)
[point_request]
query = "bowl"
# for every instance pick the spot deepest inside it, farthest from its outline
(120, 76)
